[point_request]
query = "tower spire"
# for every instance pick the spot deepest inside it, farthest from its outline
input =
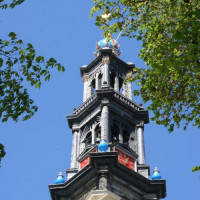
(116, 167)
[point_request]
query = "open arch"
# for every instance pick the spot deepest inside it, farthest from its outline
(93, 85)
(88, 139)
(97, 131)
(126, 137)
(112, 79)
(120, 84)
(99, 81)
(115, 133)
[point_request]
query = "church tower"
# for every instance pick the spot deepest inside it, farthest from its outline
(108, 152)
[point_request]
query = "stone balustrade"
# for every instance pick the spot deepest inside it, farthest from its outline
(85, 104)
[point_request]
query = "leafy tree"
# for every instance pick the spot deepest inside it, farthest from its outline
(19, 64)
(170, 34)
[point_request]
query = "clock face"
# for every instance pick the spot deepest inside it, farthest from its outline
(125, 159)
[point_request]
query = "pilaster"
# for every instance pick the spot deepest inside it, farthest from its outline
(85, 87)
(106, 78)
(116, 85)
(140, 138)
(105, 132)
(74, 153)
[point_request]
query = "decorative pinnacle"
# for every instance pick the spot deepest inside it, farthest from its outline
(156, 174)
(60, 178)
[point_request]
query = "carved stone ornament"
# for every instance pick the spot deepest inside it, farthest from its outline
(85, 78)
(103, 183)
(106, 60)
(129, 75)
(140, 124)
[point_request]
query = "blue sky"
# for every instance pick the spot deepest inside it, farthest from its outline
(40, 147)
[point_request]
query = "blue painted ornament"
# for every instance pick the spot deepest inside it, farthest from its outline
(103, 146)
(111, 44)
(156, 174)
(60, 178)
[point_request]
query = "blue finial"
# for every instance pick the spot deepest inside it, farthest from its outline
(111, 44)
(103, 146)
(60, 178)
(156, 174)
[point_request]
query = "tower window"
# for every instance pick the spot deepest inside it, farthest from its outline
(112, 80)
(126, 137)
(93, 86)
(120, 84)
(88, 139)
(98, 132)
(115, 133)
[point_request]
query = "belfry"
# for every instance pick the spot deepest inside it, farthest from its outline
(108, 151)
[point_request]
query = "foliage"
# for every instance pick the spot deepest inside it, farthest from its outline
(170, 34)
(2, 152)
(196, 168)
(20, 65)
(12, 4)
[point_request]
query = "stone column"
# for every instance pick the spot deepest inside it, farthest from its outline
(140, 139)
(74, 149)
(124, 89)
(77, 147)
(105, 133)
(89, 91)
(93, 134)
(116, 85)
(106, 78)
(97, 82)
(129, 87)
(85, 87)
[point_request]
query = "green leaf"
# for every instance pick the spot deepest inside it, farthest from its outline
(196, 168)
(1, 62)
(38, 85)
(5, 119)
(6, 42)
(63, 69)
(59, 67)
(12, 35)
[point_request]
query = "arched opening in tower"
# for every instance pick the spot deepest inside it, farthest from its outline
(93, 85)
(112, 79)
(99, 81)
(126, 137)
(115, 133)
(120, 85)
(88, 139)
(97, 131)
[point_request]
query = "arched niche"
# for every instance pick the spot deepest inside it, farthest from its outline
(88, 139)
(115, 132)
(126, 136)
(97, 132)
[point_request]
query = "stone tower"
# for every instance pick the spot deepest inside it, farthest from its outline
(108, 112)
